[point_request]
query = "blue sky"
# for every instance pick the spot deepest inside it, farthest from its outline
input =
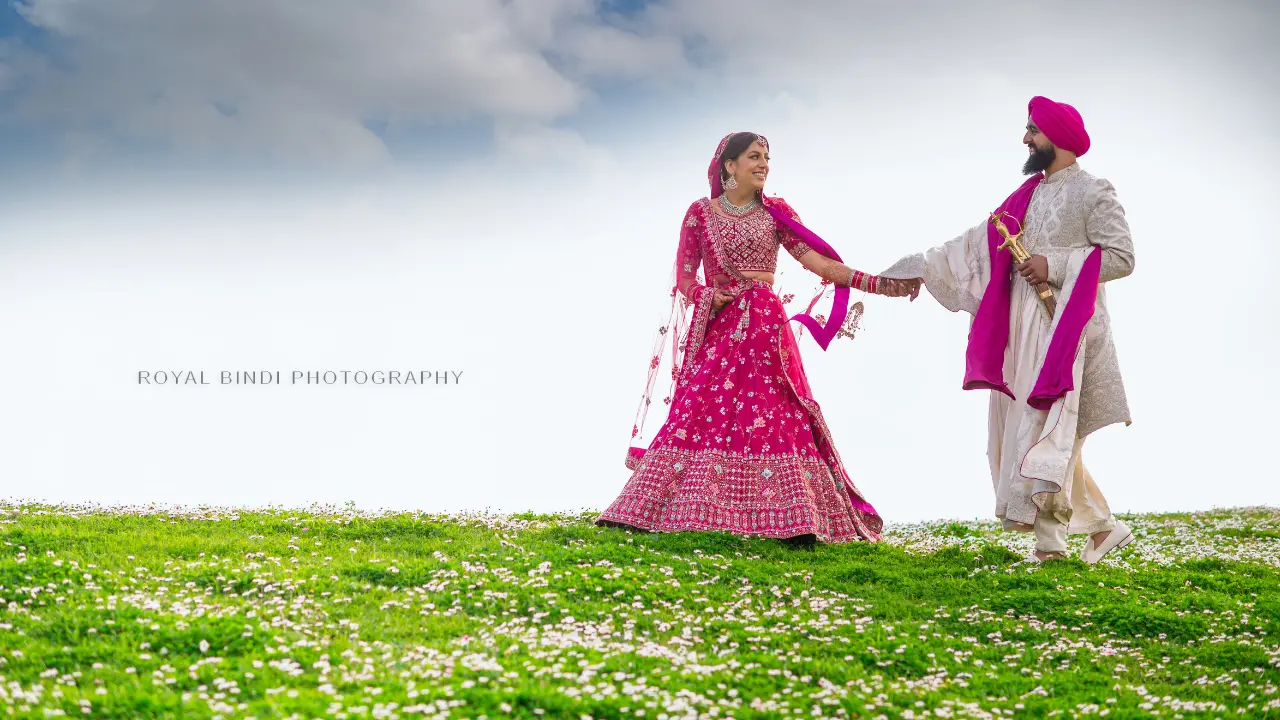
(605, 108)
(547, 150)
(216, 85)
(21, 145)
(14, 25)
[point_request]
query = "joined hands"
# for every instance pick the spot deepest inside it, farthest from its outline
(887, 287)
(901, 288)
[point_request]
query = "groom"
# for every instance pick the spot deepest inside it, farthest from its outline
(1053, 374)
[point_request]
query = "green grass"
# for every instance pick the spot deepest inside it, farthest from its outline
(336, 613)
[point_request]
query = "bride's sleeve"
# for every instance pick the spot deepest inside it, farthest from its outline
(789, 239)
(689, 254)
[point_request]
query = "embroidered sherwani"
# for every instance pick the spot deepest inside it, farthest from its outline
(1035, 454)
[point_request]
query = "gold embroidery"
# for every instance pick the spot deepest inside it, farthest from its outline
(750, 243)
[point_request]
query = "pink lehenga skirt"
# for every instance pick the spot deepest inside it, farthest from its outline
(745, 448)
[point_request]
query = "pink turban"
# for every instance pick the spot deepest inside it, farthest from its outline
(1060, 123)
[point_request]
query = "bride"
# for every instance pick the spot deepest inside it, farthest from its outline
(745, 448)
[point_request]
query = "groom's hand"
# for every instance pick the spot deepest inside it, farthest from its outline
(1035, 270)
(913, 287)
(907, 288)
(900, 288)
(897, 288)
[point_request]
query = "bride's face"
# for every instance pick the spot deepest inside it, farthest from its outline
(751, 168)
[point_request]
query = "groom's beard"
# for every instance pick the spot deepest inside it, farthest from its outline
(1039, 160)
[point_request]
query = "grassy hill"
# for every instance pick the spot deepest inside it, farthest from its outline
(337, 613)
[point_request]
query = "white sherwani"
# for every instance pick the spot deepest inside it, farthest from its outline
(1035, 454)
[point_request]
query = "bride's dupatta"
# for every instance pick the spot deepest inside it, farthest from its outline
(693, 330)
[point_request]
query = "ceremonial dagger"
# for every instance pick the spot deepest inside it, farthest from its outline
(1013, 243)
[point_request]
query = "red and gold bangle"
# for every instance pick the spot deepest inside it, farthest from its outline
(864, 282)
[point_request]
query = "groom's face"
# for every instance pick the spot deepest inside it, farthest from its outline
(1040, 152)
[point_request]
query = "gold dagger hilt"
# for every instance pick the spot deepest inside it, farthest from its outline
(1013, 243)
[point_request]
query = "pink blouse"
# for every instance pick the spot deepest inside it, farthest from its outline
(749, 243)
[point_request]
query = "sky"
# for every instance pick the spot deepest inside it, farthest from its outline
(494, 189)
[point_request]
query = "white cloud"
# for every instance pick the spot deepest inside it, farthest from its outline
(548, 147)
(545, 288)
(889, 136)
(608, 52)
(297, 79)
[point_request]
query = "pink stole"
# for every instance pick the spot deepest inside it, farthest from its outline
(989, 334)
(822, 334)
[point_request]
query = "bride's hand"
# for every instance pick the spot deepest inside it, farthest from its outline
(720, 299)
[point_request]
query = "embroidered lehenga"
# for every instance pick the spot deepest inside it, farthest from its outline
(745, 448)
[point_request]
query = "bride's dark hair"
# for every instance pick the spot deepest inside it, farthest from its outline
(737, 145)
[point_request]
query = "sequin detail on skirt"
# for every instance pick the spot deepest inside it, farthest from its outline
(742, 450)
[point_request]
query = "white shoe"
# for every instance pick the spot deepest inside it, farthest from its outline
(1120, 536)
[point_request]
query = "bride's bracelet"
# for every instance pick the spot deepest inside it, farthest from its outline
(690, 291)
(862, 281)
